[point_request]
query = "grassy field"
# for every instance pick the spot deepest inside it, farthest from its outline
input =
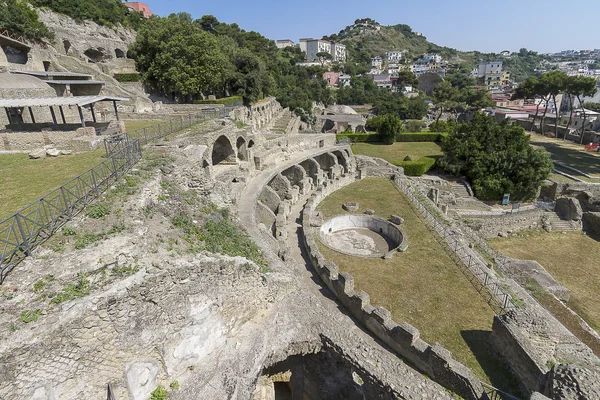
(571, 259)
(571, 154)
(398, 151)
(133, 125)
(24, 180)
(421, 286)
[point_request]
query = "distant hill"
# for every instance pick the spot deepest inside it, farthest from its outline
(367, 38)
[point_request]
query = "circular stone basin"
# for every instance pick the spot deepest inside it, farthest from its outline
(361, 235)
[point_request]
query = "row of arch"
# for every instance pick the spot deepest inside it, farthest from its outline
(223, 151)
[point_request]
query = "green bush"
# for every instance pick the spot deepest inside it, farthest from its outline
(413, 125)
(420, 137)
(233, 101)
(359, 137)
(416, 168)
(133, 77)
(98, 211)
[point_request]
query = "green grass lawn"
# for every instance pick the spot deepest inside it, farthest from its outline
(24, 180)
(398, 151)
(571, 259)
(570, 154)
(133, 125)
(421, 286)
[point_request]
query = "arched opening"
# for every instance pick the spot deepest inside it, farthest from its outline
(67, 45)
(251, 144)
(119, 53)
(95, 55)
(241, 148)
(223, 151)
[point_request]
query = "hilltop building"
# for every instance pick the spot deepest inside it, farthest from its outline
(393, 56)
(338, 52)
(492, 75)
(317, 46)
(303, 43)
(376, 62)
(139, 7)
(284, 43)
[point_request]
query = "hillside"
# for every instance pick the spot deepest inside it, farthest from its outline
(366, 38)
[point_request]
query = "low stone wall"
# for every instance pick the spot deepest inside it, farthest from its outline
(404, 339)
(80, 140)
(493, 226)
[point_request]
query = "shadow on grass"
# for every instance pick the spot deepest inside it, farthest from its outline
(500, 376)
(574, 158)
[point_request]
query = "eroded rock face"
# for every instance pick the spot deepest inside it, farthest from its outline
(569, 208)
(591, 223)
(567, 381)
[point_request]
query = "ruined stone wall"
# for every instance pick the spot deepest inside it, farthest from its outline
(79, 140)
(495, 225)
(403, 338)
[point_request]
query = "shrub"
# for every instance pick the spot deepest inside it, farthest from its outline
(420, 137)
(30, 316)
(416, 168)
(68, 231)
(98, 211)
(359, 137)
(233, 101)
(413, 125)
(160, 393)
(388, 126)
(132, 77)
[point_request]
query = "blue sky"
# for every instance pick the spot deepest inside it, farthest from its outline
(489, 26)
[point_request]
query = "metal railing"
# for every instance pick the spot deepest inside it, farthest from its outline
(496, 394)
(21, 232)
(475, 268)
(35, 223)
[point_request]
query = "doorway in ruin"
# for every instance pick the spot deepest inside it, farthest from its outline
(223, 152)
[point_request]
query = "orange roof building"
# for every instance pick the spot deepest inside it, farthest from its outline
(139, 7)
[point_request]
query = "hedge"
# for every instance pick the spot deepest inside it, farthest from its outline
(359, 137)
(233, 101)
(416, 168)
(420, 137)
(132, 77)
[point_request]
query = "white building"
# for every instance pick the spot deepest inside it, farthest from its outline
(317, 46)
(393, 56)
(491, 68)
(376, 62)
(432, 58)
(303, 42)
(338, 52)
(345, 80)
(284, 43)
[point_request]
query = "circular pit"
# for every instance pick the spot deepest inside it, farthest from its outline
(362, 235)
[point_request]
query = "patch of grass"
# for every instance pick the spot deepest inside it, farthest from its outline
(88, 238)
(41, 176)
(125, 270)
(174, 385)
(422, 285)
(30, 316)
(39, 286)
(160, 393)
(219, 234)
(571, 259)
(73, 290)
(397, 152)
(68, 231)
(239, 124)
(98, 211)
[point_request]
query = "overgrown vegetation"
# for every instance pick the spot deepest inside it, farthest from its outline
(130, 77)
(73, 290)
(496, 158)
(19, 19)
(217, 234)
(103, 12)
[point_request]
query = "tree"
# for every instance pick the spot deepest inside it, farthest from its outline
(556, 82)
(176, 56)
(388, 126)
(19, 19)
(407, 78)
(324, 56)
(445, 98)
(589, 105)
(460, 77)
(497, 158)
(528, 89)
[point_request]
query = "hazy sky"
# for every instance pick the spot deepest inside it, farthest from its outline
(488, 26)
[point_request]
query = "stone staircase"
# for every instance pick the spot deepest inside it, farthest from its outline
(561, 225)
(281, 123)
(460, 189)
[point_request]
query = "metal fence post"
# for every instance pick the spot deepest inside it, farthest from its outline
(23, 235)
